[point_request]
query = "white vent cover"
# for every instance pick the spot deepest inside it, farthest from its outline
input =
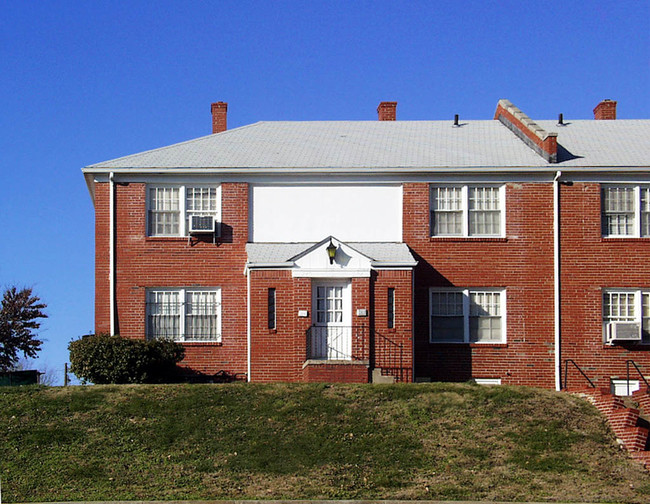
(201, 224)
(624, 331)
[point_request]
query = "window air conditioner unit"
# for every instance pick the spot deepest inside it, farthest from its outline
(202, 224)
(623, 331)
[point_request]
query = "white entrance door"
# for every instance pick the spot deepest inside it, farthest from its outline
(331, 335)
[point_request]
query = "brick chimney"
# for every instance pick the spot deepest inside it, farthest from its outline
(541, 141)
(387, 111)
(606, 109)
(219, 114)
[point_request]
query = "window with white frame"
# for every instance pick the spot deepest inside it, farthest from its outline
(467, 210)
(170, 208)
(184, 314)
(627, 306)
(467, 315)
(626, 211)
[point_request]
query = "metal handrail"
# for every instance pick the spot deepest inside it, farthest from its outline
(370, 344)
(391, 357)
(627, 367)
(566, 373)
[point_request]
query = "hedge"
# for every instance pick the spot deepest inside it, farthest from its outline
(112, 359)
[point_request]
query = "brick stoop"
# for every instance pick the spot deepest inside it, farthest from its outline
(624, 421)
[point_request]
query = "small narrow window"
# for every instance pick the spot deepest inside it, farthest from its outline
(391, 308)
(271, 311)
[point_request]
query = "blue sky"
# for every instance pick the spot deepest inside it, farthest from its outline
(83, 82)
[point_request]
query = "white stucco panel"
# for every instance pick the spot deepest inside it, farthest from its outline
(304, 213)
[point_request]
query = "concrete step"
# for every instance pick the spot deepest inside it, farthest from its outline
(377, 377)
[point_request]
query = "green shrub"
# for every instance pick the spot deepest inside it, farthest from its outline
(113, 359)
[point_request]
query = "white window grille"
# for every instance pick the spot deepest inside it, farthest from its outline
(626, 211)
(467, 316)
(627, 306)
(447, 211)
(467, 210)
(184, 314)
(329, 305)
(447, 318)
(164, 211)
(164, 315)
(484, 211)
(485, 317)
(200, 201)
(170, 208)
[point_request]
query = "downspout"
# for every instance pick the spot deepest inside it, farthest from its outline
(556, 278)
(248, 325)
(413, 324)
(111, 252)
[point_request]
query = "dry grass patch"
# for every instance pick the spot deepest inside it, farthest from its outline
(246, 441)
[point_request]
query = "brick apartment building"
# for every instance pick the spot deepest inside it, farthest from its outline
(505, 250)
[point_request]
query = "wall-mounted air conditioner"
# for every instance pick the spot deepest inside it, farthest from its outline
(200, 224)
(623, 331)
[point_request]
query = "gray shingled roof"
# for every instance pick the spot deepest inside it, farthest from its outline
(277, 253)
(394, 145)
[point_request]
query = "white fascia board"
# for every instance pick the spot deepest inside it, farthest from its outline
(352, 170)
(283, 265)
(329, 273)
(90, 184)
(639, 175)
(393, 266)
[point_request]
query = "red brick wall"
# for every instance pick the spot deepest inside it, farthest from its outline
(277, 354)
(522, 263)
(102, 265)
(143, 262)
(591, 263)
(336, 373)
(394, 346)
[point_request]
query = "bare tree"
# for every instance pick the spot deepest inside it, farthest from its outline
(19, 314)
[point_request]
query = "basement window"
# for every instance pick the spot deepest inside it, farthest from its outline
(467, 210)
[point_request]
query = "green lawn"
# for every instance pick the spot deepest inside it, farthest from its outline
(241, 441)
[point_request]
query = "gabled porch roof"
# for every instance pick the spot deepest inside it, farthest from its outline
(285, 255)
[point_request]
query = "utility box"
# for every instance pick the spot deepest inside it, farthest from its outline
(11, 378)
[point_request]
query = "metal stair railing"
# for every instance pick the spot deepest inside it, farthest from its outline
(388, 355)
(627, 368)
(566, 374)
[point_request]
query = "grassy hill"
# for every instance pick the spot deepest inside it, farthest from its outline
(424, 441)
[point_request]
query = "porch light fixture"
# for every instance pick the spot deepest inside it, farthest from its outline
(331, 252)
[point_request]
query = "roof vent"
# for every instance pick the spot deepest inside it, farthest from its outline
(560, 119)
(455, 119)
